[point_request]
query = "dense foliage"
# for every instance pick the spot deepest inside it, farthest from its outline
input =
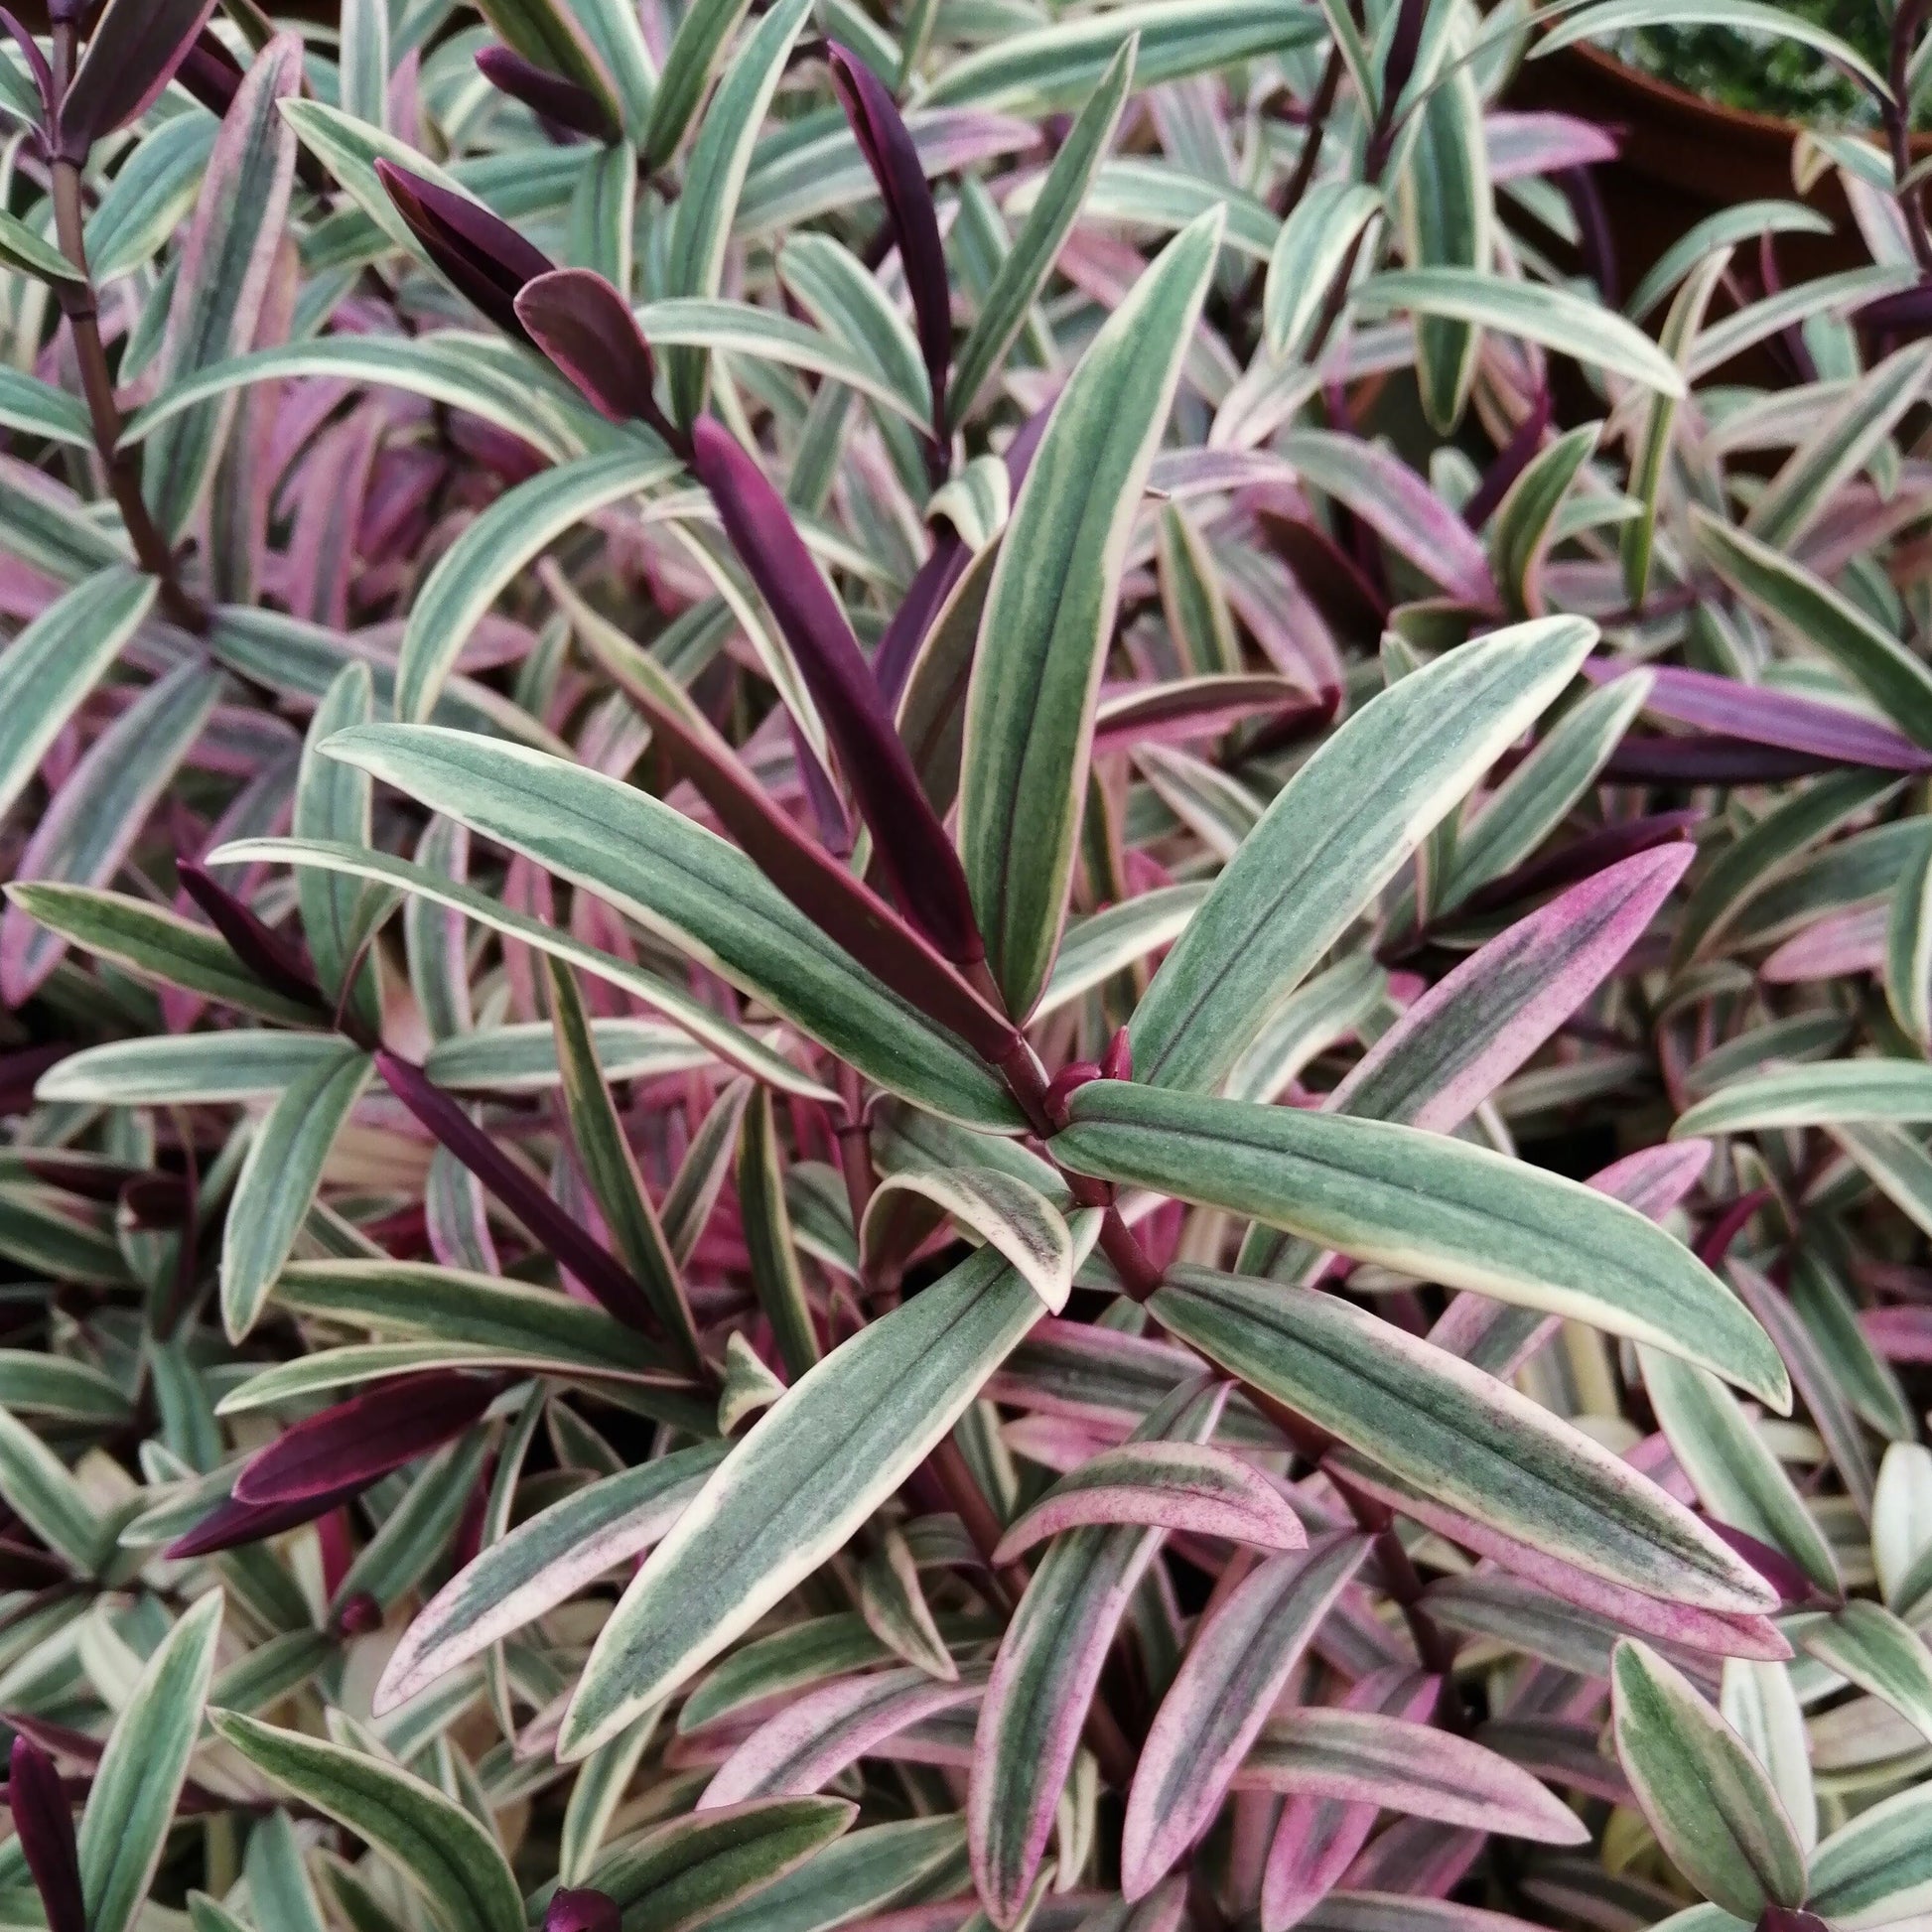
(953, 979)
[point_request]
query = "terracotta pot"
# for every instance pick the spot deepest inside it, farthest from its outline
(1683, 157)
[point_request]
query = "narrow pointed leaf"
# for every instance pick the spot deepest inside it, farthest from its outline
(364, 1437)
(1880, 1653)
(1736, 1477)
(1334, 836)
(682, 1873)
(694, 889)
(1192, 1487)
(52, 665)
(132, 52)
(542, 1563)
(480, 565)
(611, 1167)
(894, 162)
(1240, 1661)
(1049, 611)
(1049, 1667)
(1791, 597)
(728, 1040)
(1021, 275)
(1001, 1208)
(158, 944)
(1458, 1436)
(1365, 1758)
(814, 1738)
(1707, 1798)
(1430, 1206)
(811, 1470)
(924, 868)
(44, 1825)
(279, 1177)
(444, 1852)
(142, 1768)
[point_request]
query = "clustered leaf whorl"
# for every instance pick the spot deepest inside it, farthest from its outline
(956, 976)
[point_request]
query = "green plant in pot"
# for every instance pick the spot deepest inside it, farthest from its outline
(848, 1087)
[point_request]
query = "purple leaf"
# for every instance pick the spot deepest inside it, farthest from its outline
(45, 1826)
(932, 583)
(358, 1614)
(1511, 461)
(21, 1069)
(1716, 1243)
(919, 856)
(273, 960)
(580, 1908)
(1365, 1758)
(843, 907)
(1772, 1564)
(1654, 1179)
(1594, 853)
(1382, 492)
(1787, 1918)
(564, 1238)
(1579, 187)
(1700, 759)
(482, 256)
(1840, 944)
(210, 74)
(1404, 44)
(1350, 604)
(354, 1442)
(30, 48)
(1541, 143)
(1785, 719)
(132, 54)
(229, 1524)
(1899, 1334)
(1905, 313)
(1204, 707)
(545, 94)
(895, 166)
(587, 328)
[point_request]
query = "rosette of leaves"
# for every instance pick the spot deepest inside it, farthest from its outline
(849, 1085)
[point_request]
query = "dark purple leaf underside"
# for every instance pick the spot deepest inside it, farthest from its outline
(579, 1908)
(888, 146)
(273, 960)
(483, 257)
(1705, 758)
(132, 54)
(359, 1441)
(543, 92)
(587, 328)
(45, 1826)
(920, 858)
(843, 907)
(229, 1524)
(593, 1264)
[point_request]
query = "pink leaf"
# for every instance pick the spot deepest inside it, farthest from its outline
(1242, 1656)
(1190, 1487)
